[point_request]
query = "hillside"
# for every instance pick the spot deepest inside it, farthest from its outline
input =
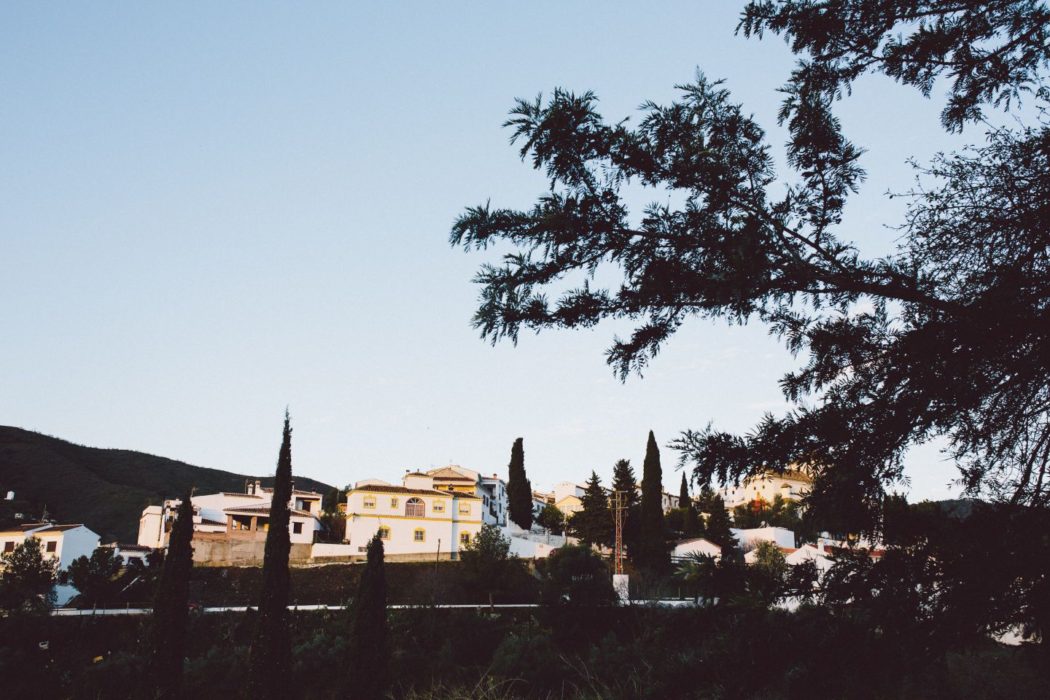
(104, 488)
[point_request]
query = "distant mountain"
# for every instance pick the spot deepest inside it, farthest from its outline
(103, 488)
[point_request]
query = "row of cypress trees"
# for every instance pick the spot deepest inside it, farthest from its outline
(270, 654)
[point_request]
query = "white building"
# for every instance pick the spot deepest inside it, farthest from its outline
(233, 516)
(416, 520)
(59, 543)
(790, 485)
(750, 538)
(492, 490)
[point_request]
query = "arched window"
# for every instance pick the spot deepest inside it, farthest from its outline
(414, 508)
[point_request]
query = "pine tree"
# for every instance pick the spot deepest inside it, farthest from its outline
(652, 547)
(369, 648)
(593, 524)
(171, 607)
(690, 519)
(519, 490)
(270, 656)
(625, 481)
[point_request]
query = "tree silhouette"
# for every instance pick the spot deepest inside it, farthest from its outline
(652, 539)
(593, 523)
(369, 644)
(270, 656)
(519, 490)
(171, 607)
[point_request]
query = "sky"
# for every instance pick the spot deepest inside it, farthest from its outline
(212, 211)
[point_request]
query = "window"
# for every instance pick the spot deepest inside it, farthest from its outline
(464, 538)
(9, 547)
(52, 546)
(370, 501)
(464, 508)
(393, 503)
(439, 506)
(419, 535)
(415, 508)
(384, 533)
(297, 528)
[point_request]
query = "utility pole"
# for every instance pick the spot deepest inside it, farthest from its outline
(620, 583)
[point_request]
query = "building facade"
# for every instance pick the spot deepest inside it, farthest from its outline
(423, 518)
(790, 485)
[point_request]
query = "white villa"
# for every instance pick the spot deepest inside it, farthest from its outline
(427, 516)
(229, 518)
(791, 485)
(492, 490)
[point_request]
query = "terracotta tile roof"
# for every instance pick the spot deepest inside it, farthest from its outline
(380, 488)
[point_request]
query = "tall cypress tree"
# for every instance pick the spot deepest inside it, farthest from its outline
(270, 656)
(171, 607)
(652, 547)
(593, 524)
(369, 646)
(717, 529)
(624, 480)
(519, 490)
(691, 519)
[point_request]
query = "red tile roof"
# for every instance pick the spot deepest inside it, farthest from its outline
(380, 488)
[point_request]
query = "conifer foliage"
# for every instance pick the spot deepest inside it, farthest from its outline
(593, 524)
(369, 647)
(652, 548)
(270, 657)
(691, 518)
(625, 481)
(171, 607)
(519, 489)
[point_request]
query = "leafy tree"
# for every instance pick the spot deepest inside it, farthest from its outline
(767, 576)
(652, 539)
(575, 575)
(552, 519)
(369, 645)
(593, 523)
(519, 489)
(171, 607)
(625, 481)
(27, 578)
(98, 577)
(270, 656)
(778, 513)
(943, 338)
(487, 561)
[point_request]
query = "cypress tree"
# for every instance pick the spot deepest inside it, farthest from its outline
(652, 548)
(691, 520)
(270, 656)
(625, 480)
(519, 490)
(369, 648)
(171, 607)
(593, 524)
(717, 529)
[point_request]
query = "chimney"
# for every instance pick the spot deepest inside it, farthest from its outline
(258, 487)
(10, 495)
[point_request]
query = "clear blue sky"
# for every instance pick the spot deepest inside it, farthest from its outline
(211, 210)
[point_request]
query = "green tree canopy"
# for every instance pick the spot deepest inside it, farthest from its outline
(593, 523)
(487, 561)
(27, 578)
(97, 577)
(652, 550)
(552, 519)
(945, 337)
(519, 489)
(625, 481)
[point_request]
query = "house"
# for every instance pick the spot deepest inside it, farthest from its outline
(58, 543)
(686, 549)
(568, 497)
(130, 552)
(540, 500)
(791, 485)
(421, 519)
(492, 490)
(231, 527)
